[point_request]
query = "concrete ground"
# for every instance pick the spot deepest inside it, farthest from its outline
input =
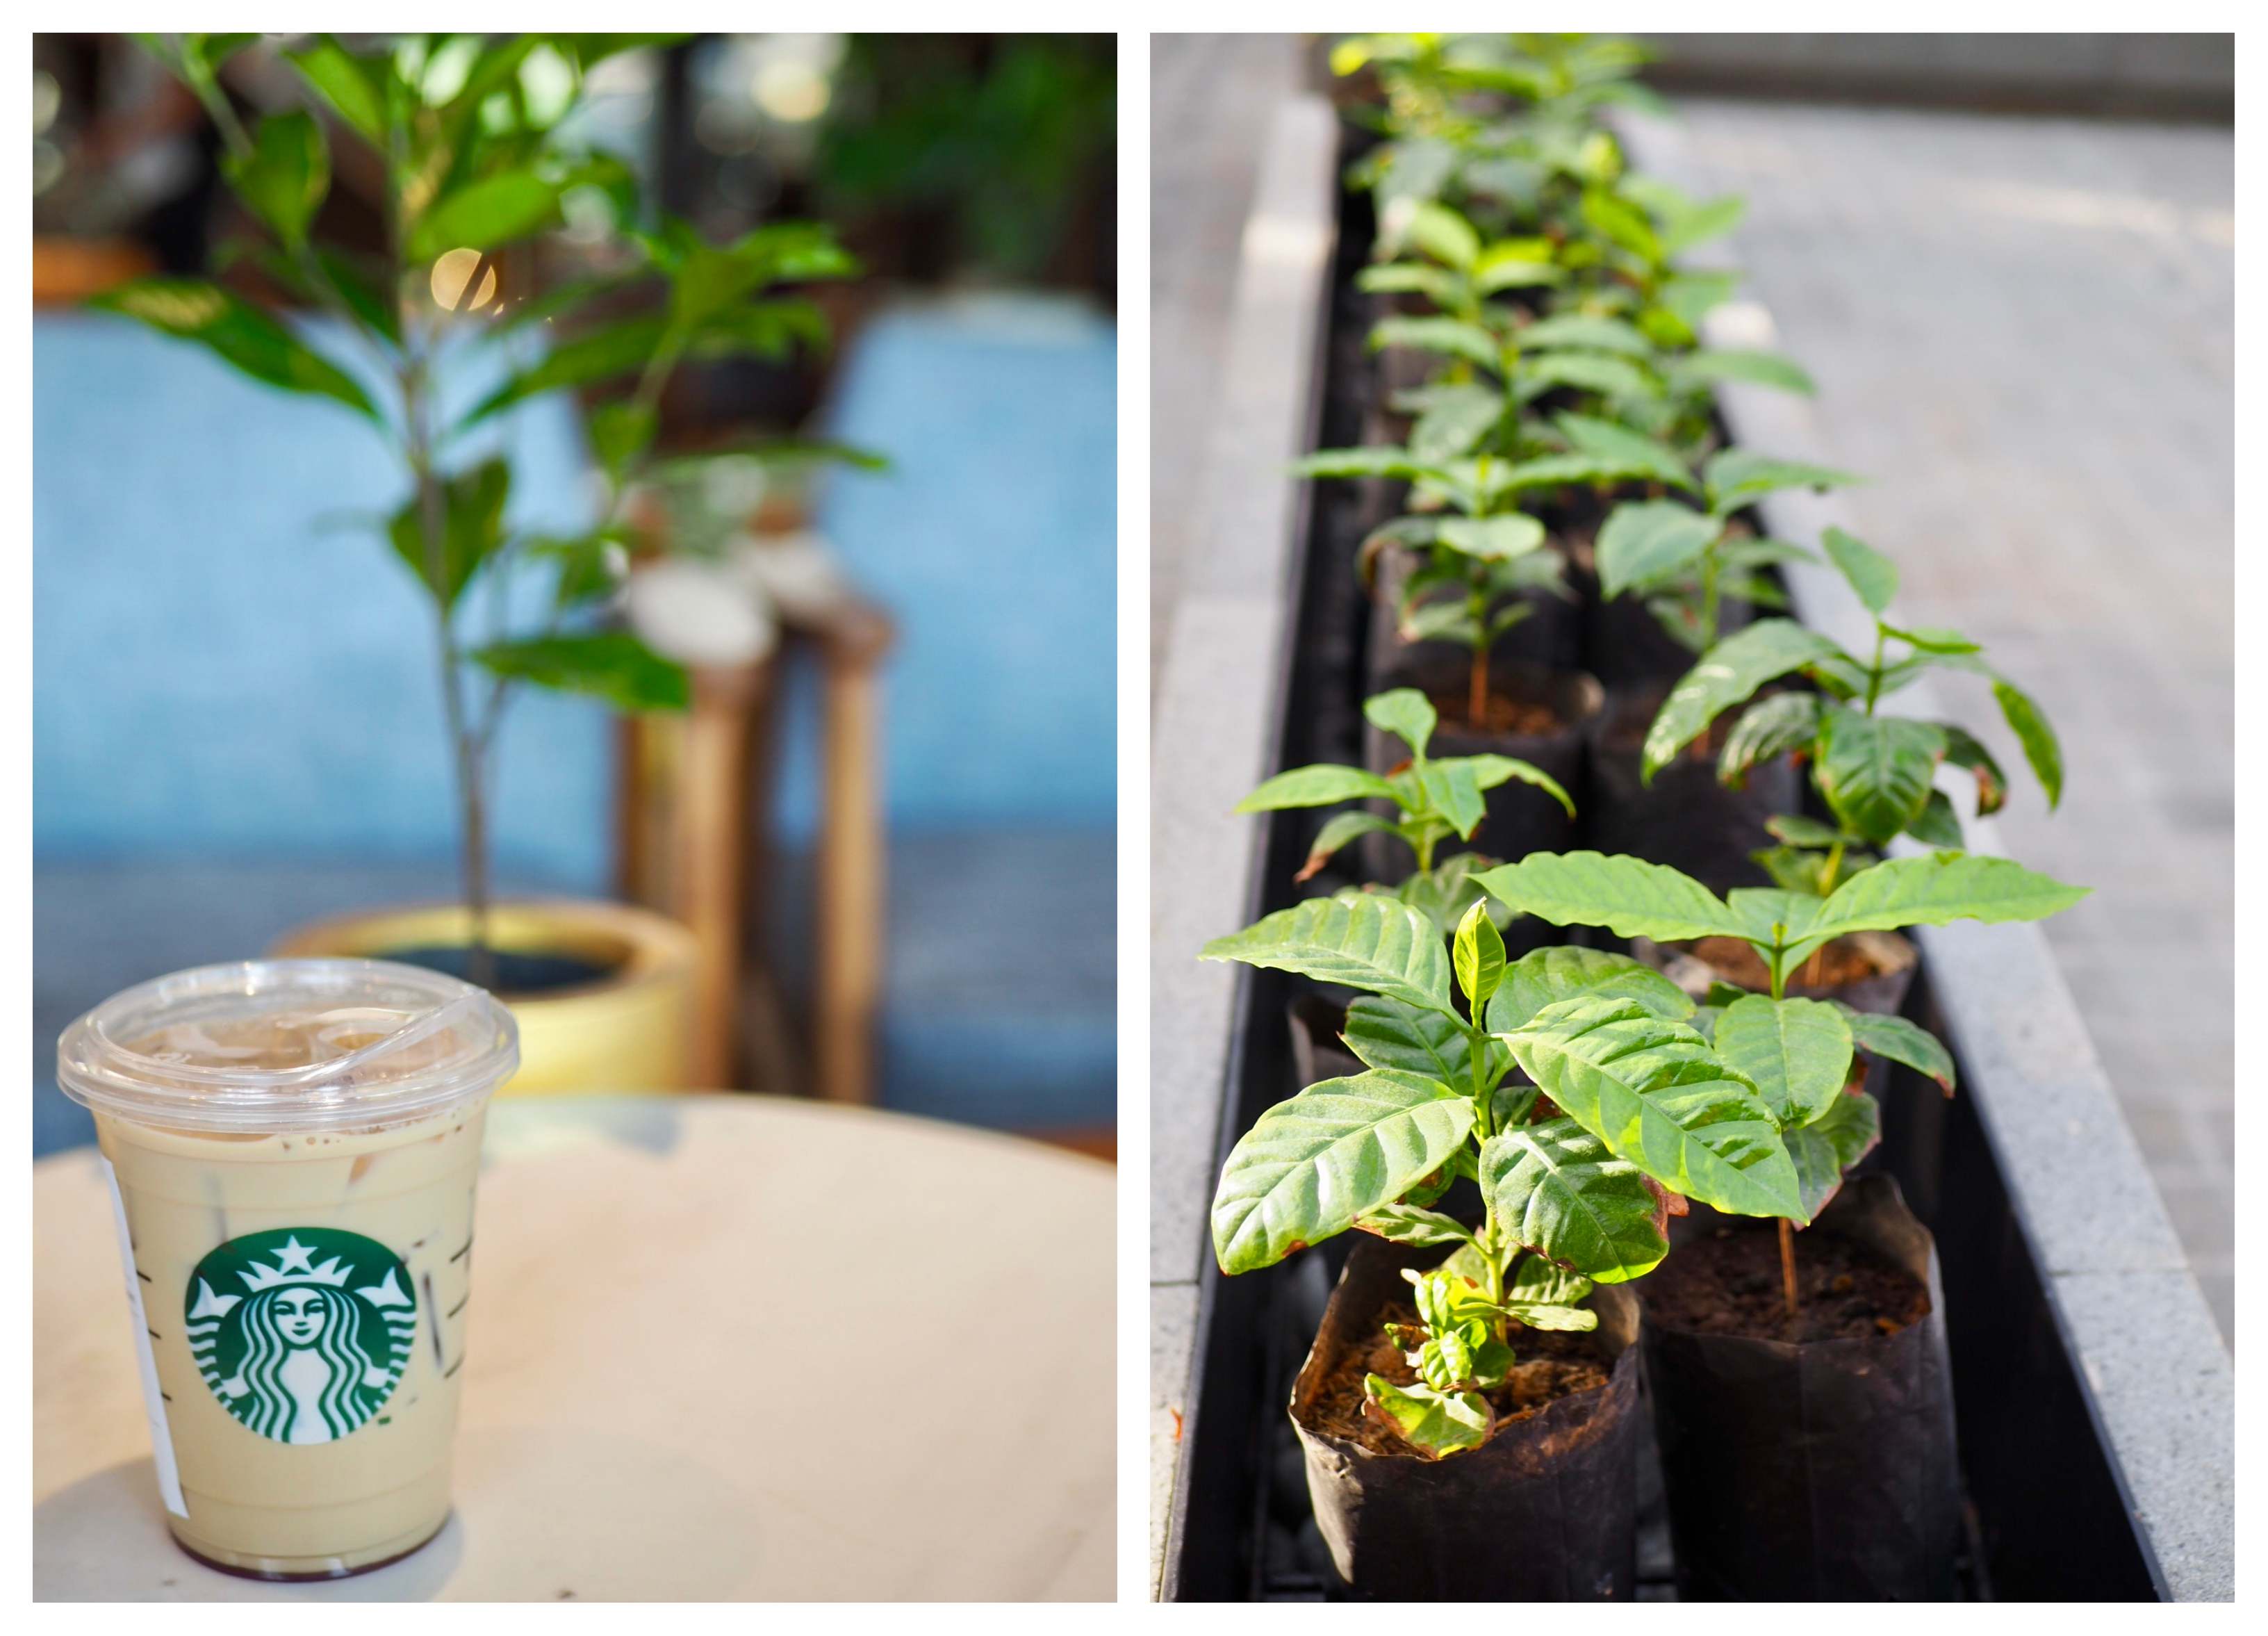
(2022, 331)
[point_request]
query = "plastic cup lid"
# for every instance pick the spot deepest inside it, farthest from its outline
(272, 1046)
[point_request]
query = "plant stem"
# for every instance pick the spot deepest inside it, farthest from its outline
(1709, 599)
(1787, 1268)
(1874, 671)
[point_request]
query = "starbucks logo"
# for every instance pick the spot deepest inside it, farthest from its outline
(301, 1332)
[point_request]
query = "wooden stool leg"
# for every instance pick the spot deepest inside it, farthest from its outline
(851, 876)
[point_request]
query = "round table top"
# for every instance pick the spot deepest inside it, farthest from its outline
(895, 1397)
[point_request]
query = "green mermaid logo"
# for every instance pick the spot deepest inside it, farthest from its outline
(299, 1348)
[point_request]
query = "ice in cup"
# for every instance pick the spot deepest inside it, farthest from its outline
(292, 1147)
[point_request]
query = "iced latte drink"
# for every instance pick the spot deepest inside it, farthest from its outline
(294, 1146)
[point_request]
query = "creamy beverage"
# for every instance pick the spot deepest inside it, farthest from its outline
(294, 1146)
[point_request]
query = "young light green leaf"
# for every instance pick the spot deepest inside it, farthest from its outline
(2030, 725)
(1645, 541)
(1898, 1039)
(1434, 1423)
(1438, 284)
(1938, 890)
(1492, 771)
(1735, 477)
(1547, 976)
(1585, 331)
(610, 665)
(1628, 895)
(1796, 1052)
(1871, 574)
(1370, 942)
(1451, 791)
(1724, 675)
(1309, 1168)
(1452, 335)
(1656, 1094)
(1602, 373)
(1875, 771)
(484, 214)
(1322, 785)
(1445, 236)
(1538, 1281)
(1493, 539)
(1406, 1224)
(1557, 1189)
(1710, 364)
(1476, 954)
(1627, 452)
(1404, 712)
(1934, 639)
(1456, 417)
(1388, 1034)
(1700, 223)
(1369, 462)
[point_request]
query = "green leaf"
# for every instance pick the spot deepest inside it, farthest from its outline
(1450, 791)
(355, 88)
(1557, 1189)
(1588, 372)
(370, 301)
(1711, 365)
(2030, 725)
(1371, 943)
(1451, 335)
(1511, 272)
(609, 664)
(1443, 893)
(1477, 956)
(1437, 285)
(1871, 574)
(1583, 331)
(1628, 895)
(1961, 750)
(1622, 222)
(617, 349)
(1724, 675)
(1547, 975)
(1645, 541)
(1796, 1052)
(1896, 1040)
(1406, 1224)
(236, 333)
(286, 176)
(1537, 1281)
(1703, 222)
(1630, 454)
(1767, 730)
(1800, 831)
(484, 214)
(1938, 890)
(1737, 476)
(1935, 639)
(1310, 1167)
(1342, 829)
(589, 566)
(1457, 416)
(1388, 1034)
(472, 517)
(1322, 785)
(1937, 824)
(1824, 1150)
(1404, 712)
(1875, 771)
(620, 434)
(1445, 236)
(1491, 539)
(1655, 1093)
(1492, 771)
(769, 329)
(1434, 1423)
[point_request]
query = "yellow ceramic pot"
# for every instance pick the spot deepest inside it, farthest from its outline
(631, 1031)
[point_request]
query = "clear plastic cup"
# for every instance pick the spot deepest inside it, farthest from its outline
(292, 1147)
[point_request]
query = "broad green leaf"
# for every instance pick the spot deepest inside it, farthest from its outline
(2026, 720)
(1538, 1281)
(1492, 538)
(1645, 541)
(1443, 893)
(1798, 830)
(1588, 371)
(1554, 471)
(1875, 771)
(1703, 222)
(1584, 331)
(1937, 824)
(1737, 476)
(355, 88)
(1898, 1039)
(1438, 284)
(1690, 297)
(1342, 829)
(1796, 1052)
(609, 664)
(1477, 956)
(1404, 712)
(1388, 1034)
(367, 297)
(1546, 1315)
(1627, 896)
(1547, 975)
(1656, 1094)
(620, 434)
(1767, 730)
(1406, 1224)
(1452, 335)
(590, 565)
(1622, 222)
(471, 513)
(1630, 453)
(1871, 574)
(1724, 675)
(1371, 943)
(1492, 771)
(236, 333)
(1709, 365)
(1498, 273)
(1456, 418)
(1555, 1187)
(619, 349)
(1434, 1423)
(1938, 890)
(1448, 620)
(286, 176)
(1766, 916)
(1445, 236)
(1310, 1167)
(1322, 785)
(1450, 791)
(484, 214)
(1822, 1152)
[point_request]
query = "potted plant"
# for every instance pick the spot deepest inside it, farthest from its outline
(1873, 774)
(1856, 1498)
(1478, 1449)
(465, 133)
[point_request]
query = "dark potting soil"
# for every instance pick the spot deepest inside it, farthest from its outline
(518, 972)
(1840, 964)
(1552, 1364)
(1523, 718)
(1728, 1283)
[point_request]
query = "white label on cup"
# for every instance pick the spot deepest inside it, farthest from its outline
(161, 1436)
